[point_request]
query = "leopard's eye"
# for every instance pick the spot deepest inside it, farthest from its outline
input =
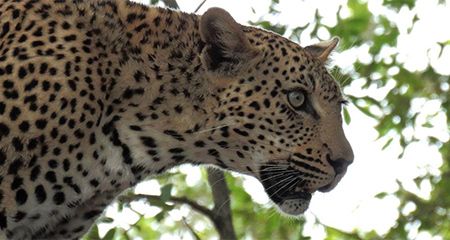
(296, 99)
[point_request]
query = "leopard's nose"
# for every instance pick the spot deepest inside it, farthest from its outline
(340, 165)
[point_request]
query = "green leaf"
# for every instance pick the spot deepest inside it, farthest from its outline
(166, 192)
(417, 181)
(366, 111)
(347, 118)
(120, 206)
(160, 216)
(387, 144)
(92, 234)
(110, 234)
(398, 4)
(154, 2)
(280, 29)
(161, 204)
(381, 195)
(107, 220)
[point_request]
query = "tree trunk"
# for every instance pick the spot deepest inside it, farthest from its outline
(222, 210)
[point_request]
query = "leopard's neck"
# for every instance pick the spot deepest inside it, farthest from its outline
(148, 51)
(152, 63)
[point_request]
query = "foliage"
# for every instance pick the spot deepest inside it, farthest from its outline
(394, 113)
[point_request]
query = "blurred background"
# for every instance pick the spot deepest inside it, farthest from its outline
(393, 63)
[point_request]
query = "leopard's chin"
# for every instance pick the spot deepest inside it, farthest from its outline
(293, 207)
(287, 192)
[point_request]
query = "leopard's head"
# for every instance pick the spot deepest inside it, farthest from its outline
(279, 112)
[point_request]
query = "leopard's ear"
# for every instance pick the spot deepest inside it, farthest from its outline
(322, 50)
(227, 49)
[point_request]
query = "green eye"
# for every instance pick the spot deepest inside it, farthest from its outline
(296, 99)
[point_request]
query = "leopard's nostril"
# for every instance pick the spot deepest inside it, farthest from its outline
(340, 165)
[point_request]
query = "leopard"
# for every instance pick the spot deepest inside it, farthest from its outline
(98, 95)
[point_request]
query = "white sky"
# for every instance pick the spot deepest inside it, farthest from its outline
(352, 204)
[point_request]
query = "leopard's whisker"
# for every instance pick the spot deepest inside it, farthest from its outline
(214, 128)
(282, 187)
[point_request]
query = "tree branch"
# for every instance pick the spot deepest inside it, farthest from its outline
(199, 6)
(220, 215)
(197, 207)
(191, 229)
(222, 210)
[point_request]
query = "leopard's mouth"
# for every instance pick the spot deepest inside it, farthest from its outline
(285, 188)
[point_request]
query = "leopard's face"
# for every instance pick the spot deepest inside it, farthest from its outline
(280, 120)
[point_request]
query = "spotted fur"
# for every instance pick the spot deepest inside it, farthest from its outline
(97, 95)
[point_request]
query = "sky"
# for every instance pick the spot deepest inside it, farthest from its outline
(352, 203)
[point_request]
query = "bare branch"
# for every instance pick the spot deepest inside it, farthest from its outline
(199, 6)
(191, 229)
